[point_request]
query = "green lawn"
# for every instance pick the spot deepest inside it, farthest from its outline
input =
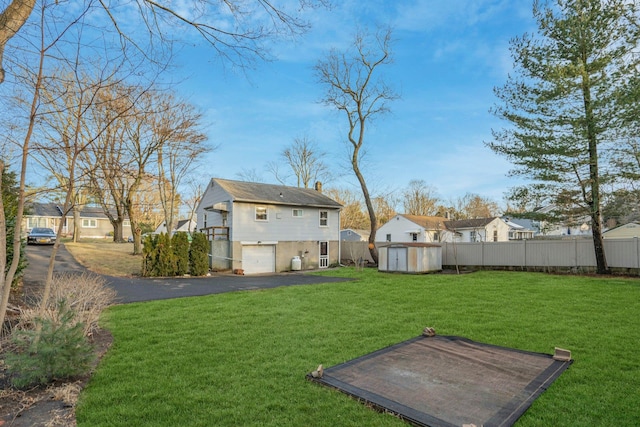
(240, 359)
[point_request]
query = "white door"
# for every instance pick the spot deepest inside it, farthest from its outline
(258, 259)
(324, 255)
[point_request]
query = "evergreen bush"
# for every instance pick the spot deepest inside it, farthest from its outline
(199, 254)
(166, 261)
(180, 244)
(59, 351)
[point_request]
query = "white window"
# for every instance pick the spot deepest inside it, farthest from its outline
(261, 213)
(89, 223)
(324, 218)
(436, 236)
(126, 223)
(414, 237)
(36, 222)
(388, 237)
(472, 236)
(297, 213)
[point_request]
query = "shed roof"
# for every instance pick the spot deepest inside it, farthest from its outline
(253, 192)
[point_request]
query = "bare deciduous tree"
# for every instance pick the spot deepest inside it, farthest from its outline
(352, 215)
(419, 198)
(180, 139)
(354, 87)
(237, 30)
(306, 162)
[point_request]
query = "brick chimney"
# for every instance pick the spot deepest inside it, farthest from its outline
(318, 186)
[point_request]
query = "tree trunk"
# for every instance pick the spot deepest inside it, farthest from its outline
(11, 20)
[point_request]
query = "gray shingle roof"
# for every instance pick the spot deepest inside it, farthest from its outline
(55, 210)
(252, 192)
(468, 223)
(44, 209)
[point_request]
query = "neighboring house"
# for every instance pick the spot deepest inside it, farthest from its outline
(519, 229)
(413, 228)
(626, 231)
(351, 235)
(479, 230)
(93, 222)
(266, 225)
(577, 227)
(185, 225)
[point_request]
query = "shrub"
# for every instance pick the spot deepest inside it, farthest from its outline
(199, 254)
(149, 255)
(180, 244)
(166, 260)
(86, 294)
(58, 351)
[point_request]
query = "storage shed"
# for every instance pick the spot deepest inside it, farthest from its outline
(410, 257)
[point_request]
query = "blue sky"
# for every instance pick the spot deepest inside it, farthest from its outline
(448, 57)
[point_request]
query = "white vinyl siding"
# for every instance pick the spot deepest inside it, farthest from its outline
(246, 229)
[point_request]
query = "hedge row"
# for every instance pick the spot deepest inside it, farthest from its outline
(175, 256)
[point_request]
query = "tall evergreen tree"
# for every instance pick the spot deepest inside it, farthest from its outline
(566, 102)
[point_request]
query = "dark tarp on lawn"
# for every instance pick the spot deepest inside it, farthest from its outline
(447, 381)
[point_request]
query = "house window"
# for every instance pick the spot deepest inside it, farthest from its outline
(126, 223)
(204, 222)
(472, 236)
(414, 237)
(324, 218)
(388, 237)
(495, 235)
(89, 223)
(436, 236)
(261, 213)
(297, 213)
(36, 222)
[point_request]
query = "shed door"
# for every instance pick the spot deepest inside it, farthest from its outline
(258, 259)
(397, 259)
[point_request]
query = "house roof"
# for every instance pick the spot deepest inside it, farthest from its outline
(44, 209)
(55, 210)
(428, 222)
(631, 224)
(253, 192)
(469, 223)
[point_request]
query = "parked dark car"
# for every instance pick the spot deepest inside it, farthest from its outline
(41, 236)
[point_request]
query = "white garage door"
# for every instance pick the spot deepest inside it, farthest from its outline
(259, 259)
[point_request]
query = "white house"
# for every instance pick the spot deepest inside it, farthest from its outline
(626, 231)
(518, 231)
(413, 229)
(183, 225)
(479, 230)
(265, 226)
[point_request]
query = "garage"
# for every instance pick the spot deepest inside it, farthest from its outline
(258, 259)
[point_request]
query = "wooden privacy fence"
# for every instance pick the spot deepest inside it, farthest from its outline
(547, 255)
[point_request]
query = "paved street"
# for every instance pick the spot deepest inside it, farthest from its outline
(147, 289)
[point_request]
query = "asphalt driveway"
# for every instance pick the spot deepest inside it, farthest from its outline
(149, 289)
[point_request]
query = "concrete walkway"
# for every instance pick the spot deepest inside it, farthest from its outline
(149, 289)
